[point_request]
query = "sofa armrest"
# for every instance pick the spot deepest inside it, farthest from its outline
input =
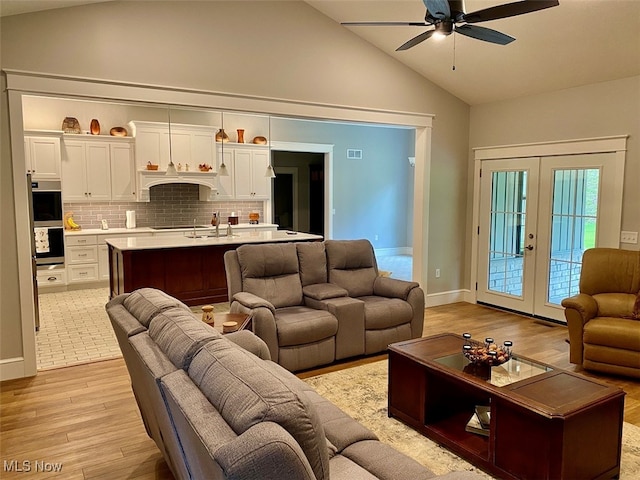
(251, 343)
(579, 309)
(265, 450)
(393, 287)
(263, 318)
(584, 304)
(251, 301)
(324, 291)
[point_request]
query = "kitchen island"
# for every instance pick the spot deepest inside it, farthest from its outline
(186, 266)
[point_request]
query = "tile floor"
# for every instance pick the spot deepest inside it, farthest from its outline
(75, 328)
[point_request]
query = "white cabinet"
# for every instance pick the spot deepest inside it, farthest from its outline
(190, 144)
(97, 169)
(103, 261)
(42, 156)
(81, 258)
(225, 182)
(250, 166)
(123, 178)
(86, 172)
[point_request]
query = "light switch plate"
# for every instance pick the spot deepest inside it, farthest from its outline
(628, 237)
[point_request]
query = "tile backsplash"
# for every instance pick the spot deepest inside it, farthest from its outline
(170, 205)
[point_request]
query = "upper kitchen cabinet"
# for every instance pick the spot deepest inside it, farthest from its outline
(42, 154)
(123, 176)
(190, 145)
(250, 166)
(97, 169)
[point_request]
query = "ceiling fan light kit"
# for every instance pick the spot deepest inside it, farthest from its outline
(448, 16)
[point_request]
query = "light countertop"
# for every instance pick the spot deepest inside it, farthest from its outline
(181, 241)
(165, 231)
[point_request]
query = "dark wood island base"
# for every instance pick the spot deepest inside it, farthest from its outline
(193, 273)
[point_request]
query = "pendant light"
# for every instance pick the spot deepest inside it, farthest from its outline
(171, 168)
(270, 173)
(223, 171)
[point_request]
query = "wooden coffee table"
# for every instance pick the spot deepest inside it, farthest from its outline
(546, 423)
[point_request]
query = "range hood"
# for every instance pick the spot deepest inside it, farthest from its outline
(151, 178)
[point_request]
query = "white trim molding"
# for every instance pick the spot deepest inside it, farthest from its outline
(445, 298)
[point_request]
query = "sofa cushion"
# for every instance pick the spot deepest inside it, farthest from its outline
(146, 303)
(302, 325)
(383, 312)
(271, 272)
(313, 262)
(246, 393)
(352, 265)
(180, 335)
(623, 333)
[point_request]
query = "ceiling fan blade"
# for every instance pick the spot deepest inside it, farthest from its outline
(485, 34)
(386, 24)
(508, 10)
(438, 8)
(415, 40)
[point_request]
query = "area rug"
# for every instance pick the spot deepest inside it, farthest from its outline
(362, 393)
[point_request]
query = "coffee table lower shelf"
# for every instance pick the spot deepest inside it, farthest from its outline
(554, 425)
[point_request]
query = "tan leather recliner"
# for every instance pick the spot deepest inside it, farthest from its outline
(604, 328)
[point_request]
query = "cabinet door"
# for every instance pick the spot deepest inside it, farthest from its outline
(103, 262)
(225, 183)
(27, 155)
(152, 145)
(261, 184)
(44, 153)
(181, 149)
(243, 176)
(98, 171)
(203, 148)
(74, 184)
(123, 178)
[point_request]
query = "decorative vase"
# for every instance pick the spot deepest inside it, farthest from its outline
(240, 135)
(95, 127)
(222, 136)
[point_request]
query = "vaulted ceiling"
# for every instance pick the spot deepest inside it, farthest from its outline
(577, 43)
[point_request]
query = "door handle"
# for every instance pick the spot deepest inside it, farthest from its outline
(529, 247)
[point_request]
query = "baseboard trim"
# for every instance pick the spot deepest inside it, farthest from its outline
(11, 368)
(444, 298)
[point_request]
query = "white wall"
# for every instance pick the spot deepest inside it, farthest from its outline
(598, 110)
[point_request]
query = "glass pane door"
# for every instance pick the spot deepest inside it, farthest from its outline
(505, 256)
(573, 228)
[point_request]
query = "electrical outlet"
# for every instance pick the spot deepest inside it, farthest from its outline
(375, 237)
(437, 273)
(628, 237)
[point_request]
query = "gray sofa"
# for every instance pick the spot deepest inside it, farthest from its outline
(317, 302)
(218, 408)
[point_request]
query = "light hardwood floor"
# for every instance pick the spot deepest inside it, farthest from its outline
(85, 417)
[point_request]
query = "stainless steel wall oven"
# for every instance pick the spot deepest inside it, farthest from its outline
(47, 221)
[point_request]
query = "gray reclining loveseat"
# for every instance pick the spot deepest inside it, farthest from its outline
(317, 302)
(218, 411)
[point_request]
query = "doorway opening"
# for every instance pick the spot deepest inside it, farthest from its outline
(298, 191)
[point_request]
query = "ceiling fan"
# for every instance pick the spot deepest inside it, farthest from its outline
(447, 16)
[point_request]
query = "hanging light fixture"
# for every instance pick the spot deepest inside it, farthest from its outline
(171, 168)
(223, 171)
(270, 173)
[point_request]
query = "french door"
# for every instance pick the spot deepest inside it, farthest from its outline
(537, 216)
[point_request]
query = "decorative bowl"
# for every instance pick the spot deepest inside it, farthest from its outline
(488, 353)
(151, 166)
(118, 132)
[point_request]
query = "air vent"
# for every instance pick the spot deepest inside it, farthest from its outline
(354, 154)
